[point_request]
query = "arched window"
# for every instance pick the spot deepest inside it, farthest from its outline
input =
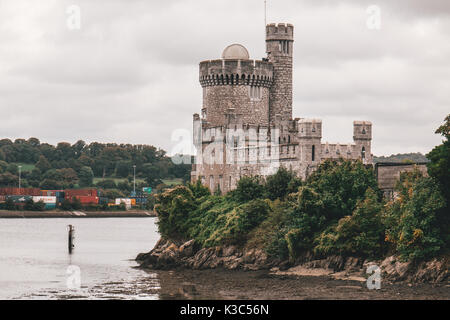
(363, 153)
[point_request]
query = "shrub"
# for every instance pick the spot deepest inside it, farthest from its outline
(361, 234)
(248, 188)
(341, 185)
(173, 208)
(199, 190)
(279, 185)
(411, 219)
(234, 226)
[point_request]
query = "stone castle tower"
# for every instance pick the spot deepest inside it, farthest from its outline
(280, 49)
(246, 125)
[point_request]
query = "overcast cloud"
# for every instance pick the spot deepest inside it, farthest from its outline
(130, 74)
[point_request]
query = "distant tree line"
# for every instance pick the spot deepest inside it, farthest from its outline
(75, 165)
(416, 157)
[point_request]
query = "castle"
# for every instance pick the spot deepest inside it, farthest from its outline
(246, 126)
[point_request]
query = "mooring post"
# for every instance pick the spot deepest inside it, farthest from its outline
(71, 238)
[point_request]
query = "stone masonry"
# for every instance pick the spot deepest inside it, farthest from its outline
(246, 127)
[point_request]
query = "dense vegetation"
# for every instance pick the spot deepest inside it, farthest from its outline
(337, 210)
(107, 166)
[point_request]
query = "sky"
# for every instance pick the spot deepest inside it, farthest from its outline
(127, 71)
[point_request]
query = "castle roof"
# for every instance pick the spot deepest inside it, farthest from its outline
(235, 52)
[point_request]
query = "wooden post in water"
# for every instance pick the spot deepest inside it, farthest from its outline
(71, 238)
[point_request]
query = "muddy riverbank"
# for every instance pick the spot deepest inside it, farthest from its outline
(256, 285)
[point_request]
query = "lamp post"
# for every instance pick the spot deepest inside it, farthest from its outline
(20, 174)
(134, 180)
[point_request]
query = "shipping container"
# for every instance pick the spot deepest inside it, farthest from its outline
(53, 193)
(20, 191)
(18, 199)
(127, 201)
(141, 200)
(46, 200)
(84, 199)
(81, 192)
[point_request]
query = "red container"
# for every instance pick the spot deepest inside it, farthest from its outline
(20, 191)
(84, 199)
(81, 192)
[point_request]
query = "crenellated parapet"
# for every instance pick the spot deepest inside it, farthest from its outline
(279, 31)
(236, 72)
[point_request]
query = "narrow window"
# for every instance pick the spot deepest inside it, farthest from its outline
(211, 183)
(313, 153)
(363, 153)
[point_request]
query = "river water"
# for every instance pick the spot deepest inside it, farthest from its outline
(35, 263)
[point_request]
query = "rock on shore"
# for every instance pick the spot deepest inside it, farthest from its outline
(168, 255)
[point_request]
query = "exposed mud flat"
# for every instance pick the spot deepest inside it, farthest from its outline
(168, 255)
(263, 284)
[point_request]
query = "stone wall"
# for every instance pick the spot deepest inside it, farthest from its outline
(389, 173)
(235, 99)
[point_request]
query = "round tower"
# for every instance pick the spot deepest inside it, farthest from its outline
(280, 48)
(235, 88)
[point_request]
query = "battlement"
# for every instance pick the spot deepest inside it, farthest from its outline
(236, 72)
(362, 130)
(310, 128)
(279, 32)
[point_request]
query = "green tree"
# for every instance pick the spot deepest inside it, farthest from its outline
(86, 177)
(51, 184)
(361, 234)
(3, 166)
(341, 185)
(123, 168)
(199, 190)
(8, 180)
(174, 207)
(248, 188)
(107, 184)
(151, 174)
(13, 169)
(412, 218)
(439, 167)
(43, 164)
(279, 185)
(69, 177)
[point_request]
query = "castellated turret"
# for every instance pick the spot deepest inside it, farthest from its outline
(362, 137)
(280, 49)
(235, 87)
(310, 136)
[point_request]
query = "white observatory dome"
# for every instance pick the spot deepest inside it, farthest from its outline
(235, 52)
